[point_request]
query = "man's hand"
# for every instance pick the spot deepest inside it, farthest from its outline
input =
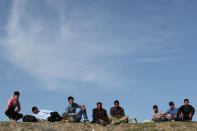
(190, 115)
(17, 111)
(83, 108)
(39, 120)
(182, 115)
(76, 114)
(167, 116)
(100, 120)
(119, 116)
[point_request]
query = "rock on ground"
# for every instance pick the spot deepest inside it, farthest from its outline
(60, 126)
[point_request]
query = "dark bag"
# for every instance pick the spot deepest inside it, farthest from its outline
(29, 118)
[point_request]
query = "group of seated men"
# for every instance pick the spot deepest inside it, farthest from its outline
(184, 113)
(99, 114)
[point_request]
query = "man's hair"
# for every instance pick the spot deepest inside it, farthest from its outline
(186, 100)
(116, 101)
(98, 103)
(70, 97)
(16, 93)
(155, 106)
(171, 103)
(34, 108)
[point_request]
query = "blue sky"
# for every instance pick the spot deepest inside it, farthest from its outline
(139, 52)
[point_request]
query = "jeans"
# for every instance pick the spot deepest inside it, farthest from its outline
(11, 113)
(54, 117)
(80, 114)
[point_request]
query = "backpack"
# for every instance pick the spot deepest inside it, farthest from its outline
(29, 118)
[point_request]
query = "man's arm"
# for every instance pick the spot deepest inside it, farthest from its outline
(19, 107)
(166, 114)
(122, 113)
(94, 117)
(9, 103)
(111, 112)
(180, 112)
(78, 105)
(105, 116)
(193, 110)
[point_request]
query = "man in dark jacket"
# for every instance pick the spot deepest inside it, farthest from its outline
(117, 114)
(186, 111)
(99, 115)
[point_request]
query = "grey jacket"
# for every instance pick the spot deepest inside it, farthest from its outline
(71, 109)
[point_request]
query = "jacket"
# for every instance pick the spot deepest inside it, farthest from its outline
(95, 116)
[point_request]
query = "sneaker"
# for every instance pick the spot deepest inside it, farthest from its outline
(11, 120)
(86, 121)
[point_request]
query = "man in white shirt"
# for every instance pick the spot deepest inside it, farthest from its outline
(157, 115)
(46, 115)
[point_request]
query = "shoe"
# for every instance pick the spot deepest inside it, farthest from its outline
(11, 120)
(86, 121)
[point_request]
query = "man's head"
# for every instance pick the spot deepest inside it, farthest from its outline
(171, 104)
(116, 103)
(99, 105)
(155, 108)
(16, 95)
(35, 110)
(70, 100)
(186, 102)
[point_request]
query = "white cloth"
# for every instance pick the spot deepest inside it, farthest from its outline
(43, 115)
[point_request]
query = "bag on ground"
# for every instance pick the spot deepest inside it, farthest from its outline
(29, 118)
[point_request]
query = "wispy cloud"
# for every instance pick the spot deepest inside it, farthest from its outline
(69, 49)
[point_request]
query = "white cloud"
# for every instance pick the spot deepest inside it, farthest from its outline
(65, 52)
(61, 57)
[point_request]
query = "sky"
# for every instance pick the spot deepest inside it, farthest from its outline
(139, 52)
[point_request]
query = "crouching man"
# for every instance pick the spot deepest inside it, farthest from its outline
(45, 115)
(186, 111)
(13, 115)
(117, 114)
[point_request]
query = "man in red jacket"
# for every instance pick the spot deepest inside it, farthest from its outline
(11, 106)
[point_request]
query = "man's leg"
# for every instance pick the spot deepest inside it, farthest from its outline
(79, 116)
(57, 116)
(85, 115)
(68, 117)
(186, 119)
(124, 119)
(11, 114)
(18, 116)
(111, 118)
(54, 117)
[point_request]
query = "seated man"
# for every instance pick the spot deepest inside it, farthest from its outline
(157, 115)
(100, 115)
(71, 114)
(117, 114)
(45, 115)
(186, 111)
(173, 111)
(11, 106)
